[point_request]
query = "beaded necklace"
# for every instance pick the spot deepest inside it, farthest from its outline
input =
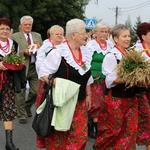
(121, 51)
(102, 46)
(78, 61)
(5, 48)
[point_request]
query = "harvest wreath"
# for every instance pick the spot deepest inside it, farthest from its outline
(134, 68)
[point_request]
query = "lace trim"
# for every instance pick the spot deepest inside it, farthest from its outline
(86, 57)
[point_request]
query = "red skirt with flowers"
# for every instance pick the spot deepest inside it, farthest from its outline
(117, 123)
(41, 91)
(76, 138)
(97, 90)
(143, 136)
(8, 110)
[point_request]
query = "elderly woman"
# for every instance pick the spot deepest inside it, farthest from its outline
(118, 117)
(100, 46)
(71, 60)
(143, 136)
(7, 87)
(55, 37)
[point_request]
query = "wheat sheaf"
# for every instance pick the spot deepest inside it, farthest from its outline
(134, 68)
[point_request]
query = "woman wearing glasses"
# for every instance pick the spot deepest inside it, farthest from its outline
(7, 88)
(71, 60)
(100, 46)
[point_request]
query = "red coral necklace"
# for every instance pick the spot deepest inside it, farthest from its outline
(121, 51)
(78, 61)
(102, 46)
(5, 48)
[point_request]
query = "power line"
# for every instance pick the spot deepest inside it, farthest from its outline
(133, 9)
(136, 5)
(116, 14)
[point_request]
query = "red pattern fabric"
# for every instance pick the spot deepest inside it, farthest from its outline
(117, 124)
(97, 90)
(40, 140)
(143, 136)
(8, 110)
(74, 139)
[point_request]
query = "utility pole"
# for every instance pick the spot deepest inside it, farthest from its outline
(116, 14)
(116, 18)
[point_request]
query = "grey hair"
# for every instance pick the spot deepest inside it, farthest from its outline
(100, 24)
(26, 18)
(54, 27)
(117, 29)
(74, 25)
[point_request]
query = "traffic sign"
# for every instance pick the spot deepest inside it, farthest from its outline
(90, 23)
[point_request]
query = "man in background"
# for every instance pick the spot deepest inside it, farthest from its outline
(25, 37)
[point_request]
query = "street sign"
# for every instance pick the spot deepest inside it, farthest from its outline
(90, 23)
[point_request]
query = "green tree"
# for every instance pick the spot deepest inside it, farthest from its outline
(44, 12)
(129, 25)
(138, 22)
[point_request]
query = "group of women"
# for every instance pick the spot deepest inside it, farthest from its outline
(119, 120)
(124, 113)
(120, 117)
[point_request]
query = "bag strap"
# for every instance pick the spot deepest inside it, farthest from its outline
(49, 93)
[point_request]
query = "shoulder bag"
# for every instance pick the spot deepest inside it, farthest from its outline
(43, 117)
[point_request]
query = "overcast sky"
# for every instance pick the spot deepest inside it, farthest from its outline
(106, 10)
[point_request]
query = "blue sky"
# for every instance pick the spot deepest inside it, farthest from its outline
(106, 10)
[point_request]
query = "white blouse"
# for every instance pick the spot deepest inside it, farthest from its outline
(47, 46)
(52, 62)
(139, 47)
(95, 46)
(109, 66)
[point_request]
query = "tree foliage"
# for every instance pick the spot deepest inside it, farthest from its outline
(44, 12)
(133, 29)
(138, 22)
(129, 25)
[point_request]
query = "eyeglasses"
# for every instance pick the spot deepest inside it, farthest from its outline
(57, 34)
(102, 32)
(81, 33)
(4, 29)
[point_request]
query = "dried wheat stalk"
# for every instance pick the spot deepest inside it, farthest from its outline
(134, 69)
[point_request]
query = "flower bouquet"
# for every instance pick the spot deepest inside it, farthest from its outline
(13, 61)
(134, 68)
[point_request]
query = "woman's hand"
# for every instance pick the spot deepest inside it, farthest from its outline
(119, 81)
(45, 78)
(88, 102)
(88, 97)
(2, 67)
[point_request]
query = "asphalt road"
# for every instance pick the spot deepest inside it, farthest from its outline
(25, 138)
